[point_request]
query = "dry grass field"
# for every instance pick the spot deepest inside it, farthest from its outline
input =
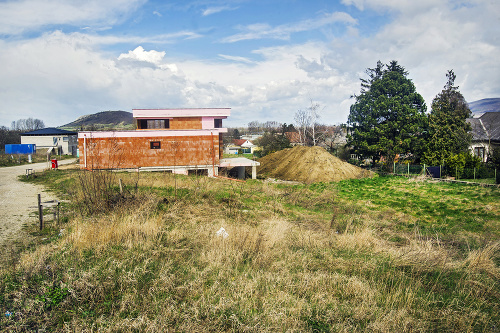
(384, 254)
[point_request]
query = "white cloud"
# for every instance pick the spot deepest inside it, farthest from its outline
(434, 38)
(139, 57)
(59, 77)
(63, 76)
(27, 15)
(315, 69)
(263, 30)
(140, 54)
(215, 10)
(106, 40)
(236, 58)
(408, 6)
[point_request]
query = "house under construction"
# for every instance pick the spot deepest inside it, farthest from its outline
(179, 140)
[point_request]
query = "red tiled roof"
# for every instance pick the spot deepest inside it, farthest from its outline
(294, 137)
(239, 142)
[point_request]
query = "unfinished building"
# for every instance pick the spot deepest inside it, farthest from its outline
(178, 140)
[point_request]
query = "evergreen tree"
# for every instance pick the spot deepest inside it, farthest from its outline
(388, 117)
(449, 133)
(236, 134)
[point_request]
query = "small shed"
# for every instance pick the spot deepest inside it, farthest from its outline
(52, 140)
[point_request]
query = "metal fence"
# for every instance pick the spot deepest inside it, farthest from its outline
(471, 174)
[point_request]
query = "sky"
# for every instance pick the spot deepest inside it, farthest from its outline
(264, 59)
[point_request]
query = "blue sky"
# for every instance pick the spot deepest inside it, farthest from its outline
(61, 59)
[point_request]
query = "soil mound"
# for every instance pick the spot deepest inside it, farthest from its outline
(308, 165)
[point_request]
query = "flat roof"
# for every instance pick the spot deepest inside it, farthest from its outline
(149, 133)
(186, 112)
(237, 161)
(50, 131)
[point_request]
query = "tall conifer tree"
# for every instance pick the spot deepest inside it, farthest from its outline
(448, 133)
(388, 117)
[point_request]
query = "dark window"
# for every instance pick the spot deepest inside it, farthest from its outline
(155, 145)
(480, 152)
(154, 123)
(217, 123)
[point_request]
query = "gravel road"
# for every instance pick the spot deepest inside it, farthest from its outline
(18, 200)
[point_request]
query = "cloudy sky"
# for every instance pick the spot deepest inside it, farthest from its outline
(61, 59)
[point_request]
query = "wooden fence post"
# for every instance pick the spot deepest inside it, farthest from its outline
(40, 211)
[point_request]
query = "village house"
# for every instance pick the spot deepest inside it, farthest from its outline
(182, 141)
(240, 145)
(485, 134)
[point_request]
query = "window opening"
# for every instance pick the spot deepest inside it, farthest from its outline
(155, 145)
(479, 152)
(154, 123)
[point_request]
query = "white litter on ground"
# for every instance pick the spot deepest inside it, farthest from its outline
(222, 233)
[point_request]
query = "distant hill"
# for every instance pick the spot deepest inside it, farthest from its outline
(102, 121)
(484, 105)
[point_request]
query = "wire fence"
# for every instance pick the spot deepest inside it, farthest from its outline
(481, 174)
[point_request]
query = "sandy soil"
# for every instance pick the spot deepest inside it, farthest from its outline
(18, 200)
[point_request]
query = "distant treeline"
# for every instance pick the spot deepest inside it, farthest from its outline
(12, 135)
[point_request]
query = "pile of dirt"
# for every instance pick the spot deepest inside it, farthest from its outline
(308, 165)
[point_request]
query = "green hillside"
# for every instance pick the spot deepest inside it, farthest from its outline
(102, 120)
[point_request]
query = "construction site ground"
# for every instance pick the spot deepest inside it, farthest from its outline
(308, 165)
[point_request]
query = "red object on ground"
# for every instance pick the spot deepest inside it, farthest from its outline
(54, 164)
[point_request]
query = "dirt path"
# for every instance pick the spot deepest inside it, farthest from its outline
(18, 200)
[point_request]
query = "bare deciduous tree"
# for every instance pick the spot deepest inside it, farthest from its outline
(307, 123)
(28, 124)
(301, 120)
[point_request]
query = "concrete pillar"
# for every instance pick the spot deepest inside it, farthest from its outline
(212, 172)
(241, 172)
(180, 171)
(254, 172)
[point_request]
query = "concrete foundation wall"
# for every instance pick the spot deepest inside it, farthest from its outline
(136, 152)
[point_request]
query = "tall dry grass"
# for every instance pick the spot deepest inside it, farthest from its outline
(127, 226)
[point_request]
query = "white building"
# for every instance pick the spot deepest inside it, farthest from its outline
(52, 140)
